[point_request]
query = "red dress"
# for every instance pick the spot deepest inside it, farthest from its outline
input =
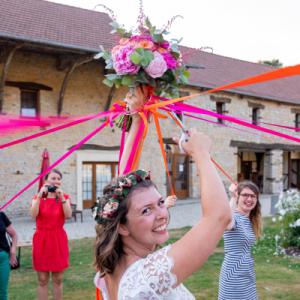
(50, 252)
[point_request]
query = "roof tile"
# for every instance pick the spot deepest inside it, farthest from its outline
(52, 23)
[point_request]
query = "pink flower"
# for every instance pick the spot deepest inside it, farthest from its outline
(121, 60)
(138, 38)
(123, 41)
(144, 44)
(170, 60)
(157, 66)
(165, 45)
(115, 49)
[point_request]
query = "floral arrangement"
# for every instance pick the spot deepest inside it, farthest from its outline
(107, 206)
(144, 56)
(288, 207)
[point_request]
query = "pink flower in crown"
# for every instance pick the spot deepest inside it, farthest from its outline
(109, 209)
(170, 60)
(157, 66)
(121, 60)
(126, 182)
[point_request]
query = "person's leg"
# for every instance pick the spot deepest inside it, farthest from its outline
(43, 280)
(4, 274)
(57, 278)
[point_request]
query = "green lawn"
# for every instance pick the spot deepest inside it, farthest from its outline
(277, 277)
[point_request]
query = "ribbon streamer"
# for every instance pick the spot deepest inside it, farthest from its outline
(60, 127)
(173, 105)
(68, 153)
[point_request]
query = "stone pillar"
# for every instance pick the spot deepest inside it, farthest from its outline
(193, 180)
(273, 167)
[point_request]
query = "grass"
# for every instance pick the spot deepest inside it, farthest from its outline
(277, 276)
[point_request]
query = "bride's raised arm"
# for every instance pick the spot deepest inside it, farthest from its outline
(135, 101)
(194, 248)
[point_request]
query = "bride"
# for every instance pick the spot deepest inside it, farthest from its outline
(132, 222)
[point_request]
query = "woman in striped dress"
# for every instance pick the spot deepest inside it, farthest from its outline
(237, 277)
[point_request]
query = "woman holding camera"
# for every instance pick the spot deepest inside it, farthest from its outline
(50, 254)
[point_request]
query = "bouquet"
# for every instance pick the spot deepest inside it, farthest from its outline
(144, 56)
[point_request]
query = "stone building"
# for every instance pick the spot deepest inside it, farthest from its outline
(47, 68)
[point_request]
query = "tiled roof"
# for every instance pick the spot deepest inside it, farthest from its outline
(55, 24)
(220, 70)
(52, 23)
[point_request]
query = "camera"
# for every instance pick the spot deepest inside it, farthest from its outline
(51, 188)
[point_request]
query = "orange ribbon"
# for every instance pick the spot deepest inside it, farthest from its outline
(98, 294)
(141, 142)
(158, 130)
(223, 171)
(272, 75)
(215, 163)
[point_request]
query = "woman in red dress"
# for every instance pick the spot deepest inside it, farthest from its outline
(50, 253)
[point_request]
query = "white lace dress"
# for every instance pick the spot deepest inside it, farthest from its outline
(149, 278)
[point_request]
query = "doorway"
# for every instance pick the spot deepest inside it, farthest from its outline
(179, 171)
(95, 176)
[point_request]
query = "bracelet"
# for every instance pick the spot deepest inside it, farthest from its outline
(63, 202)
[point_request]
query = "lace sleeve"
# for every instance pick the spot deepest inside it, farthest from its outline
(157, 271)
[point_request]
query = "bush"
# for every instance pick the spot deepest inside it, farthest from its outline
(288, 207)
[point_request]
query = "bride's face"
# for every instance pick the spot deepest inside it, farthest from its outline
(147, 218)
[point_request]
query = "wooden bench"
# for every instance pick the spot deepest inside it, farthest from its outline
(76, 211)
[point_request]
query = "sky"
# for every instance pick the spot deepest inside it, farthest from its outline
(249, 30)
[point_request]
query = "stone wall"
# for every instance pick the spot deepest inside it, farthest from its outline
(86, 94)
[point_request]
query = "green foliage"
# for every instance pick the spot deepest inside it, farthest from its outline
(289, 219)
(168, 84)
(141, 57)
(119, 29)
(274, 63)
(277, 276)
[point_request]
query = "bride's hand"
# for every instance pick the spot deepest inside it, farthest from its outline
(196, 144)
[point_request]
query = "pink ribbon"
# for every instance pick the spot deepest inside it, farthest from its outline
(68, 153)
(194, 109)
(122, 144)
(134, 148)
(45, 132)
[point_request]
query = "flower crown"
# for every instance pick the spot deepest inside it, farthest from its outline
(144, 56)
(106, 207)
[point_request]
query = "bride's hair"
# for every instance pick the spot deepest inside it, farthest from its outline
(109, 244)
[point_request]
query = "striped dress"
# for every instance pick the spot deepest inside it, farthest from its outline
(237, 277)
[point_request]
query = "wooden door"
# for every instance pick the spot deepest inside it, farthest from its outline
(180, 172)
(246, 168)
(95, 176)
(294, 173)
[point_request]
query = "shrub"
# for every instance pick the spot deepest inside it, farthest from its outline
(288, 207)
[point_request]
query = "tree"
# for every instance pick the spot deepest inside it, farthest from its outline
(276, 63)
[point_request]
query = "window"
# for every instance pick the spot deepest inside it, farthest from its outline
(220, 108)
(297, 122)
(255, 115)
(95, 176)
(29, 104)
